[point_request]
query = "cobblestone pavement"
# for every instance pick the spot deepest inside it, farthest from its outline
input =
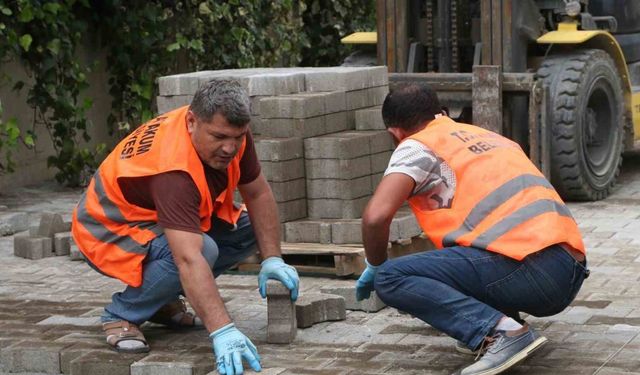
(49, 310)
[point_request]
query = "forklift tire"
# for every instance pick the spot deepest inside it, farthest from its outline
(587, 120)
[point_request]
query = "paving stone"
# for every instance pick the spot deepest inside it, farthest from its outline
(278, 149)
(336, 208)
(71, 320)
(380, 162)
(358, 99)
(180, 84)
(373, 304)
(181, 364)
(75, 254)
(343, 145)
(338, 168)
(293, 106)
(50, 224)
(376, 95)
(344, 78)
(339, 189)
(319, 307)
(32, 247)
(292, 210)
(255, 104)
(337, 122)
(281, 314)
(77, 349)
(13, 222)
(33, 356)
(280, 171)
(404, 225)
(346, 231)
(308, 230)
(289, 190)
(104, 363)
(369, 118)
(289, 127)
(62, 243)
(169, 103)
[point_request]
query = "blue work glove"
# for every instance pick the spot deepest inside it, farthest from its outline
(275, 268)
(230, 346)
(364, 285)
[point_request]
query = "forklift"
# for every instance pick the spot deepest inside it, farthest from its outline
(560, 77)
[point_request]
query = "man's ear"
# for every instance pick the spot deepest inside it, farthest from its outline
(190, 118)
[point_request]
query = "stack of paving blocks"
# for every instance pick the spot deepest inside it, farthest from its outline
(50, 237)
(320, 140)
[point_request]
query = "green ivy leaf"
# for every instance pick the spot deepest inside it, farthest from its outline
(25, 42)
(26, 14)
(173, 47)
(204, 9)
(54, 46)
(52, 8)
(6, 11)
(29, 141)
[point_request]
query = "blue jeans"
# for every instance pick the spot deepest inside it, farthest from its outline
(464, 291)
(222, 247)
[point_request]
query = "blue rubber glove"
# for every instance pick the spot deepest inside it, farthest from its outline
(230, 346)
(364, 285)
(275, 268)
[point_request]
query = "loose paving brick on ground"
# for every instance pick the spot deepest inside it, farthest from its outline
(49, 312)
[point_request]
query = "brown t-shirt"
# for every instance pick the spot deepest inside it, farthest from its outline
(175, 195)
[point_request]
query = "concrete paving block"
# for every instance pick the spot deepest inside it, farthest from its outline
(284, 128)
(376, 95)
(78, 348)
(318, 307)
(335, 101)
(375, 180)
(277, 83)
(92, 321)
(343, 145)
(32, 356)
(338, 122)
(255, 125)
(166, 364)
(351, 118)
(289, 190)
(255, 104)
(339, 189)
(75, 254)
(306, 230)
(50, 224)
(280, 171)
(61, 243)
(169, 103)
(373, 304)
(378, 76)
(292, 106)
(336, 208)
(292, 210)
(180, 84)
(338, 168)
(346, 231)
(104, 363)
(404, 225)
(369, 118)
(32, 247)
(281, 314)
(379, 140)
(380, 161)
(358, 99)
(13, 222)
(278, 149)
(336, 79)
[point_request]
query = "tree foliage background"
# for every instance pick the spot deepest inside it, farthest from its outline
(144, 40)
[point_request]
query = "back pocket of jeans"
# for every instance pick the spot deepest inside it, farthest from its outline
(517, 291)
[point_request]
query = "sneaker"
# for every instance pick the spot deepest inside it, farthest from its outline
(463, 349)
(504, 350)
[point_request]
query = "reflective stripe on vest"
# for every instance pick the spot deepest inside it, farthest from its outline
(112, 233)
(502, 203)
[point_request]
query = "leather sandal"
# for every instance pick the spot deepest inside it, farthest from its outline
(122, 330)
(175, 315)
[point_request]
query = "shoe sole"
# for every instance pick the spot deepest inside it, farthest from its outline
(521, 355)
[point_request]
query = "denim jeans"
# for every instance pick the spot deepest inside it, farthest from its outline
(464, 291)
(223, 246)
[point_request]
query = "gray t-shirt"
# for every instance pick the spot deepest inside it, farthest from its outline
(435, 180)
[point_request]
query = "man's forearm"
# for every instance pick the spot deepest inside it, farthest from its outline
(202, 292)
(375, 237)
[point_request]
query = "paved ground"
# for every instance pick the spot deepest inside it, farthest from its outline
(599, 333)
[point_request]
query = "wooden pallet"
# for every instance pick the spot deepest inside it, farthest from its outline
(326, 259)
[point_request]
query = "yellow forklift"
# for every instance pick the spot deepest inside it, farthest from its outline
(560, 77)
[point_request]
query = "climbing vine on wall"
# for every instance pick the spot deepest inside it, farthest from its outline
(142, 41)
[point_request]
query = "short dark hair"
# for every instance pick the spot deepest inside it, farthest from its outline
(410, 105)
(224, 96)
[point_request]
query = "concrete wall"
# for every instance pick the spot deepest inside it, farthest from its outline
(31, 165)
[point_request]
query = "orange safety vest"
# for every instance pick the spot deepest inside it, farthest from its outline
(111, 232)
(502, 202)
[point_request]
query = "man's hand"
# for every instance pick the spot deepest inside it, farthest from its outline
(230, 346)
(364, 285)
(276, 268)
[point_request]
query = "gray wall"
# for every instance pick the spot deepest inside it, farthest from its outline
(31, 166)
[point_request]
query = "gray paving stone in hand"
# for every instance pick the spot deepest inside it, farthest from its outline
(281, 314)
(315, 308)
(373, 304)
